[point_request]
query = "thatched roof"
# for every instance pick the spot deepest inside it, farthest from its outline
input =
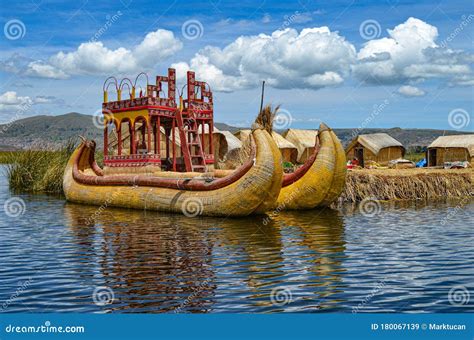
(279, 139)
(458, 141)
(242, 134)
(282, 142)
(227, 150)
(375, 142)
(288, 150)
(227, 142)
(303, 140)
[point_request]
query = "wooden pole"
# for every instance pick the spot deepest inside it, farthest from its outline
(148, 132)
(173, 132)
(261, 100)
(167, 136)
(211, 141)
(158, 138)
(132, 137)
(106, 140)
(119, 137)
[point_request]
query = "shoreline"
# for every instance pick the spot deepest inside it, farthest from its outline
(407, 184)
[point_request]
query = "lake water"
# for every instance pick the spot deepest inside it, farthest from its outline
(410, 257)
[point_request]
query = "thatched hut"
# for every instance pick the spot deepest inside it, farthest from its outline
(242, 135)
(376, 147)
(303, 140)
(289, 152)
(451, 149)
(226, 149)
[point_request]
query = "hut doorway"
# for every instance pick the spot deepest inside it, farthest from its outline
(359, 154)
(432, 157)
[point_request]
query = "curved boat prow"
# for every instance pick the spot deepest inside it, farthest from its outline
(270, 195)
(237, 194)
(320, 180)
(340, 170)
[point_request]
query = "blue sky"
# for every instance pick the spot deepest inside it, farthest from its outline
(416, 76)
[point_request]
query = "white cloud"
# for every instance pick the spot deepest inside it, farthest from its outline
(287, 58)
(11, 98)
(463, 80)
(410, 53)
(156, 47)
(95, 58)
(11, 101)
(42, 70)
(411, 91)
(266, 18)
(46, 100)
(314, 58)
(300, 18)
(16, 63)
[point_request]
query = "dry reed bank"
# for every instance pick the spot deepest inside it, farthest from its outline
(408, 184)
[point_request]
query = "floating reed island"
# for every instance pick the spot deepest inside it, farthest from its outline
(42, 171)
(407, 184)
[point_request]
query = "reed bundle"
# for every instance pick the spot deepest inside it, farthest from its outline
(407, 184)
(266, 116)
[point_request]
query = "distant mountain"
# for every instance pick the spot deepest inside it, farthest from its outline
(225, 127)
(40, 132)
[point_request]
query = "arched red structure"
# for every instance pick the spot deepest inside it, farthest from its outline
(186, 127)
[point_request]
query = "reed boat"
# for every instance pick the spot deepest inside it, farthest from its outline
(159, 155)
(251, 188)
(320, 180)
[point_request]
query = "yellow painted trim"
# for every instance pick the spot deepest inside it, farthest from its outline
(107, 120)
(132, 115)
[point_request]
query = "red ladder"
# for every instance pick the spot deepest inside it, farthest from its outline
(191, 146)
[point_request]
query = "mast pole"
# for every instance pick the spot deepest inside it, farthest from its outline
(263, 92)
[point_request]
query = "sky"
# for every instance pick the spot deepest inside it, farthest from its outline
(350, 64)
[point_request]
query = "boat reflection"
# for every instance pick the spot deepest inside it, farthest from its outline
(153, 262)
(157, 262)
(321, 232)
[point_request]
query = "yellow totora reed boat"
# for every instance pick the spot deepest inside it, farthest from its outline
(320, 180)
(158, 156)
(252, 188)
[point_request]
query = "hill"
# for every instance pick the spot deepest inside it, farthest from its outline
(43, 131)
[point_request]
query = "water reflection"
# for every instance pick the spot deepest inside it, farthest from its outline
(151, 261)
(321, 232)
(173, 263)
(329, 260)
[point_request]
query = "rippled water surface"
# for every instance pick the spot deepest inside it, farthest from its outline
(406, 258)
